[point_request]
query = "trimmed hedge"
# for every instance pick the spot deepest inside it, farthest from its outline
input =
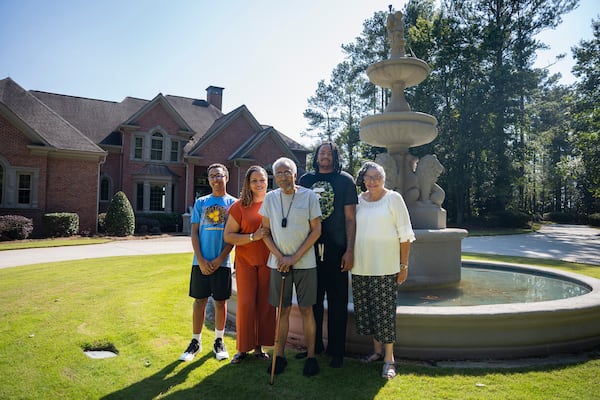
(61, 224)
(164, 222)
(594, 219)
(120, 219)
(15, 227)
(503, 219)
(560, 217)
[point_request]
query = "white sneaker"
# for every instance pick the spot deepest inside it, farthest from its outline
(219, 350)
(190, 352)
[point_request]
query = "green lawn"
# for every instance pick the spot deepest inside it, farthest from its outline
(60, 242)
(139, 305)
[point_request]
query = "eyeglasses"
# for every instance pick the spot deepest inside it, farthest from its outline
(287, 173)
(215, 177)
(374, 178)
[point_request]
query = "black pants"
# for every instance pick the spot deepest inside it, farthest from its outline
(333, 283)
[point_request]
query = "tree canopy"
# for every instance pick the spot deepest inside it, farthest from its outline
(509, 135)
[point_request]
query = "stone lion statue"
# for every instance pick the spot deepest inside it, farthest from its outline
(428, 170)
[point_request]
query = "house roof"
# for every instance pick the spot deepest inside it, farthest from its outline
(41, 123)
(83, 123)
(254, 141)
(156, 170)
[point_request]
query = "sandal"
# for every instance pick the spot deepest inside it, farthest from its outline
(238, 358)
(373, 357)
(389, 370)
(261, 355)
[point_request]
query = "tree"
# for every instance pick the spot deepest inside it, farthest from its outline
(586, 116)
(120, 219)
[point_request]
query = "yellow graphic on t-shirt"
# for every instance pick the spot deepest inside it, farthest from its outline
(215, 214)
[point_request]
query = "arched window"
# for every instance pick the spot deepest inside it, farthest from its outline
(105, 189)
(156, 150)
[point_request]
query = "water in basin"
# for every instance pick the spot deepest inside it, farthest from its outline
(484, 285)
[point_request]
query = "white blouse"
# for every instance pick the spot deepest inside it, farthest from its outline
(380, 228)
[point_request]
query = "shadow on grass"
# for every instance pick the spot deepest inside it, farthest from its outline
(159, 383)
(355, 380)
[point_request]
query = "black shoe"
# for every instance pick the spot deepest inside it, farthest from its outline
(280, 364)
(304, 354)
(336, 362)
(311, 367)
(190, 352)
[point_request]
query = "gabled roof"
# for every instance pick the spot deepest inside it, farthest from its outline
(159, 99)
(97, 122)
(246, 149)
(41, 123)
(199, 141)
(98, 119)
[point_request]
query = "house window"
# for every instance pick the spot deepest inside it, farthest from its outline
(104, 189)
(24, 189)
(156, 150)
(139, 197)
(157, 198)
(138, 148)
(174, 151)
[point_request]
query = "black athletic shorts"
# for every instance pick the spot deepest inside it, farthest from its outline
(217, 285)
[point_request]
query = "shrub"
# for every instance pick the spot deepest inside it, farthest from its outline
(102, 223)
(560, 217)
(594, 219)
(120, 220)
(15, 227)
(167, 222)
(513, 219)
(144, 225)
(61, 224)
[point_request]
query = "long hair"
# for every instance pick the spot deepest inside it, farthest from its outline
(337, 167)
(246, 196)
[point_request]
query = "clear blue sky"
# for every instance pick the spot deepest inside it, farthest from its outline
(267, 54)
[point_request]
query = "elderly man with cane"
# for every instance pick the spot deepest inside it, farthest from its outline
(293, 216)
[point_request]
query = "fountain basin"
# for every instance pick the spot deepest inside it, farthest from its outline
(409, 70)
(398, 129)
(496, 331)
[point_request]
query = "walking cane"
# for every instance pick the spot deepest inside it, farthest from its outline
(277, 323)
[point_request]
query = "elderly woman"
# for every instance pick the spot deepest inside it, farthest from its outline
(383, 237)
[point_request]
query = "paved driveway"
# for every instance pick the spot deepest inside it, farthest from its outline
(161, 245)
(574, 243)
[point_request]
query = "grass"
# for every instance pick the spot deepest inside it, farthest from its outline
(61, 242)
(139, 306)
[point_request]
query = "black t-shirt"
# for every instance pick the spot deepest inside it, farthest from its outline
(334, 192)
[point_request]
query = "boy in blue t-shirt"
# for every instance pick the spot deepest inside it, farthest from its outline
(211, 265)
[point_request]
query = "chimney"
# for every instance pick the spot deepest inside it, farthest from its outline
(214, 96)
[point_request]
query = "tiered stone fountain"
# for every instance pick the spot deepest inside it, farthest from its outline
(436, 326)
(491, 327)
(435, 255)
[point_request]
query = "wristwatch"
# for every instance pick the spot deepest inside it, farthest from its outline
(403, 267)
(252, 237)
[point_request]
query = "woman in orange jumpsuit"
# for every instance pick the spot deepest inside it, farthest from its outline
(255, 317)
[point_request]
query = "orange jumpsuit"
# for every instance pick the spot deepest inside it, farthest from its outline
(255, 317)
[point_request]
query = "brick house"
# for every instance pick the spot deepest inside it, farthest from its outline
(62, 153)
